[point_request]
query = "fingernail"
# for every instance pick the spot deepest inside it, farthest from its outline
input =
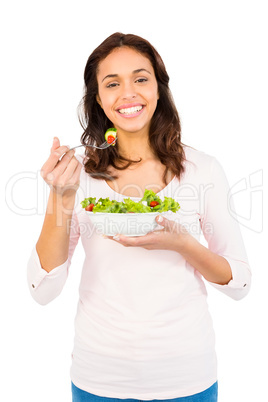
(160, 218)
(116, 237)
(105, 237)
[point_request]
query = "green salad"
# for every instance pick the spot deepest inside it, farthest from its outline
(150, 202)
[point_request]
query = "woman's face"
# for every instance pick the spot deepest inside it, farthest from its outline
(128, 90)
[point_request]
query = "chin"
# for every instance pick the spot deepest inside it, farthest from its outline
(133, 128)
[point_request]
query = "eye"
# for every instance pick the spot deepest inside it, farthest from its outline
(141, 80)
(112, 85)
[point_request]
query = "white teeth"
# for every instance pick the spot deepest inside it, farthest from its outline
(130, 110)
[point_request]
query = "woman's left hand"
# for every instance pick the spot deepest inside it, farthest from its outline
(171, 237)
(213, 267)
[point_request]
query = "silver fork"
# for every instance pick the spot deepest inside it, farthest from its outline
(102, 146)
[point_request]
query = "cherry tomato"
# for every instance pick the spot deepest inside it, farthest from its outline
(110, 139)
(89, 207)
(154, 204)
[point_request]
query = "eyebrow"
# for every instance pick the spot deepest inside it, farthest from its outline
(133, 72)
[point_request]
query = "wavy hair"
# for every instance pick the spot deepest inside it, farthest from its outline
(165, 127)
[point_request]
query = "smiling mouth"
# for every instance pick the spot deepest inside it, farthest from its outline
(130, 110)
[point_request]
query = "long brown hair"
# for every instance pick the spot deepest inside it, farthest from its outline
(165, 127)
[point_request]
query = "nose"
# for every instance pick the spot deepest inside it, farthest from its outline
(128, 91)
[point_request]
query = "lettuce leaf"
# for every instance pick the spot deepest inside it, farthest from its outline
(169, 204)
(106, 205)
(133, 206)
(127, 206)
(88, 201)
(150, 196)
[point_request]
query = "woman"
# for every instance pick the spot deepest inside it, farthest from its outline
(143, 330)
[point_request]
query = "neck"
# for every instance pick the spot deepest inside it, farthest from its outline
(135, 146)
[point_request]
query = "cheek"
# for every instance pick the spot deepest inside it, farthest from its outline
(153, 97)
(106, 103)
(152, 94)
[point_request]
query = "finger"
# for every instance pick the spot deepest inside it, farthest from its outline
(70, 169)
(77, 173)
(135, 241)
(126, 241)
(75, 178)
(54, 158)
(168, 224)
(171, 226)
(62, 164)
(55, 144)
(119, 238)
(60, 151)
(71, 177)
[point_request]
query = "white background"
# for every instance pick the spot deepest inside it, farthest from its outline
(216, 55)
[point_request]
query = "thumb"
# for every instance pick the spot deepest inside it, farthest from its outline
(164, 222)
(56, 144)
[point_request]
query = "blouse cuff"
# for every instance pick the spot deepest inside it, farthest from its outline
(238, 287)
(36, 273)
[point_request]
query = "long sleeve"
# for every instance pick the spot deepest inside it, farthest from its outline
(222, 233)
(44, 286)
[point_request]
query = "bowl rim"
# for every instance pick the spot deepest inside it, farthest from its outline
(126, 213)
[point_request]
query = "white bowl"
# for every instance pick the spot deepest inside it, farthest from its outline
(128, 224)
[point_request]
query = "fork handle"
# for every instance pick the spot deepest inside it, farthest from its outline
(78, 146)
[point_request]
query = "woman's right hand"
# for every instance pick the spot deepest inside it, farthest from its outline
(60, 172)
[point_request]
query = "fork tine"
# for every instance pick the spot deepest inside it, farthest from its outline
(104, 145)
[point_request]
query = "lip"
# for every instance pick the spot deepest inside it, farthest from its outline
(129, 105)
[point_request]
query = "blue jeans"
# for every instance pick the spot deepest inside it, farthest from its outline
(209, 395)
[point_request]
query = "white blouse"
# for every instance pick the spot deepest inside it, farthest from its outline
(143, 329)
